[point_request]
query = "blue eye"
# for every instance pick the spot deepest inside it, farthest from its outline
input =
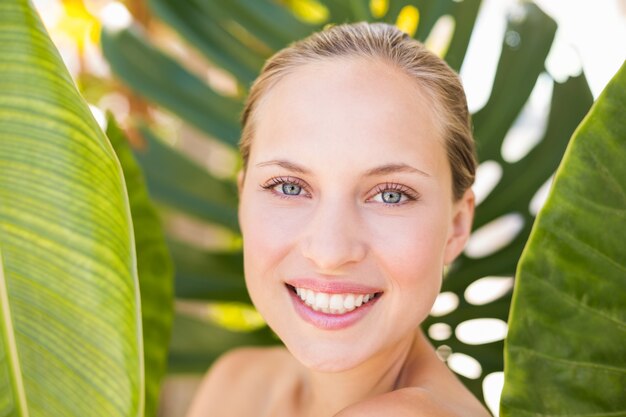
(291, 189)
(391, 196)
(286, 187)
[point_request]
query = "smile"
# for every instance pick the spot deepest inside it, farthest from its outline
(332, 310)
(332, 303)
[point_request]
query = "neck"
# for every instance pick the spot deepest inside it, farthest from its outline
(327, 393)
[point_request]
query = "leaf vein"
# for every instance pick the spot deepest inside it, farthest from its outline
(576, 302)
(563, 232)
(603, 367)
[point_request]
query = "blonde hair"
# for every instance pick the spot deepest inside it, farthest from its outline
(386, 43)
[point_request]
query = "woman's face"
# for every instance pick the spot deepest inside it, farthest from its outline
(347, 200)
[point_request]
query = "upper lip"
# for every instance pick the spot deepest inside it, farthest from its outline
(332, 287)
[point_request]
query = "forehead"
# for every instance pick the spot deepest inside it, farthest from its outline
(351, 107)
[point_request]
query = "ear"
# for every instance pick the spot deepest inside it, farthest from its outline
(461, 227)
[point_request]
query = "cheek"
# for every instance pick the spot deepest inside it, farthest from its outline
(268, 235)
(411, 242)
(410, 251)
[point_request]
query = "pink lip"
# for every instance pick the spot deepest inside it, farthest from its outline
(332, 287)
(330, 321)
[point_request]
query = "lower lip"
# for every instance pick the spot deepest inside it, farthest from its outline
(330, 321)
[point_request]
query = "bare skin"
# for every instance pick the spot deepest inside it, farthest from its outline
(270, 382)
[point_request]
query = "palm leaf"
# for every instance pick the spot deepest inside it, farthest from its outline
(185, 185)
(160, 78)
(197, 343)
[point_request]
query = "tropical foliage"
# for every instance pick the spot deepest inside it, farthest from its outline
(77, 337)
(568, 332)
(73, 327)
(70, 325)
(155, 269)
(236, 37)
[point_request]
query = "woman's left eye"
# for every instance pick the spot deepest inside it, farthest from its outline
(394, 194)
(391, 197)
(290, 189)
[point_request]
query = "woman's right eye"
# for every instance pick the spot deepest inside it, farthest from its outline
(285, 187)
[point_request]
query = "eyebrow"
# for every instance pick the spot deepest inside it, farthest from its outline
(285, 164)
(380, 170)
(394, 168)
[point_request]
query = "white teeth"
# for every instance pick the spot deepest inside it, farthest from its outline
(348, 302)
(332, 303)
(336, 302)
(359, 300)
(321, 300)
(310, 298)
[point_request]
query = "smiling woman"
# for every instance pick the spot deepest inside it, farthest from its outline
(358, 158)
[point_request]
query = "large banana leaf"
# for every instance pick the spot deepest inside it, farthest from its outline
(70, 324)
(154, 266)
(223, 31)
(566, 347)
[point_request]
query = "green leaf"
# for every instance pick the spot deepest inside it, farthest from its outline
(465, 14)
(361, 10)
(197, 343)
(430, 11)
(564, 353)
(211, 37)
(154, 266)
(518, 68)
(158, 77)
(261, 20)
(520, 181)
(204, 275)
(180, 183)
(339, 10)
(70, 325)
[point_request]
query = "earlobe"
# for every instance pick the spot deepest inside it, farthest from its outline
(461, 227)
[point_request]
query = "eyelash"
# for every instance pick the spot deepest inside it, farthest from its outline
(273, 182)
(394, 186)
(387, 186)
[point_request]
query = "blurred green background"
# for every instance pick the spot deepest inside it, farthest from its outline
(175, 74)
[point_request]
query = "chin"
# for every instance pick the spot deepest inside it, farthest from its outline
(329, 356)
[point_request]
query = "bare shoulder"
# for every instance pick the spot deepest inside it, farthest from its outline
(412, 402)
(428, 388)
(236, 374)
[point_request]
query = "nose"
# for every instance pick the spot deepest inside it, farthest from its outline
(333, 238)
